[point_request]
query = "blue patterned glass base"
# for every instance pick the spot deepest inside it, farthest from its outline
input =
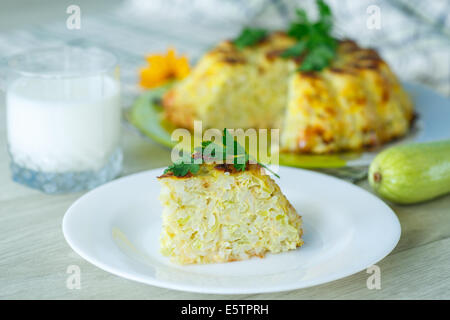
(68, 181)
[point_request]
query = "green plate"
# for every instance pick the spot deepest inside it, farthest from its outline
(146, 115)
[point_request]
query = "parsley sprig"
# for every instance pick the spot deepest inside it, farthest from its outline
(315, 44)
(210, 151)
(249, 37)
(314, 40)
(237, 155)
(182, 167)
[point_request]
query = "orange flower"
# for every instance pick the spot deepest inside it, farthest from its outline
(163, 68)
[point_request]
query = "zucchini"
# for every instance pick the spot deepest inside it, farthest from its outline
(412, 173)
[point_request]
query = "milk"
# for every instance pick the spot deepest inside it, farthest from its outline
(63, 124)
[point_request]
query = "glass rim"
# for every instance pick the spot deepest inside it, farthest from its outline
(17, 63)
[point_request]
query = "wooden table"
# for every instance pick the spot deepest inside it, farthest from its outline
(34, 256)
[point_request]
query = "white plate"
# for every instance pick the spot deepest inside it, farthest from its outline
(346, 229)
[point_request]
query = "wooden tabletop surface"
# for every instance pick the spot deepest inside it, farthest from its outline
(34, 256)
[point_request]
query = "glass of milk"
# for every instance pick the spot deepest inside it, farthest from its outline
(63, 118)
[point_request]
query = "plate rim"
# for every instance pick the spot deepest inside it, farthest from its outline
(225, 291)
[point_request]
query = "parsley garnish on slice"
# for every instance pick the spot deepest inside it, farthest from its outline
(249, 37)
(315, 43)
(182, 167)
(239, 154)
(212, 152)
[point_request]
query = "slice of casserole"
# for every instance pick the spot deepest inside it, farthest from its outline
(220, 214)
